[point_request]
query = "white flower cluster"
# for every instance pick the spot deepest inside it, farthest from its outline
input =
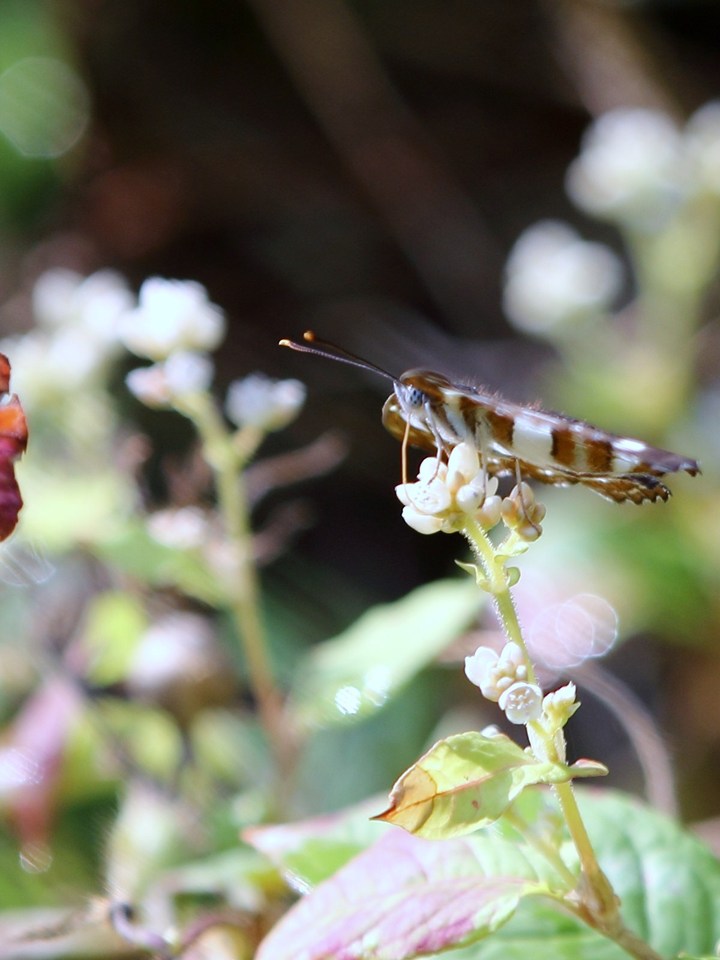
(82, 322)
(446, 496)
(637, 167)
(553, 277)
(77, 333)
(503, 679)
(172, 316)
(264, 404)
(632, 168)
(174, 324)
(180, 375)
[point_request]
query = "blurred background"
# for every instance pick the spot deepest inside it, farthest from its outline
(364, 169)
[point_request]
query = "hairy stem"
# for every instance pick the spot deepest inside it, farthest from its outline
(597, 902)
(497, 579)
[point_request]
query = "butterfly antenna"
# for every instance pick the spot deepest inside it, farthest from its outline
(331, 351)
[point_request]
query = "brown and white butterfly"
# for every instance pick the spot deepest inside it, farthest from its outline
(431, 412)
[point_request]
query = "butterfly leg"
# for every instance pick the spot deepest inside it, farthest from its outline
(527, 513)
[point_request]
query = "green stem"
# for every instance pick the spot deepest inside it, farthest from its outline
(226, 462)
(550, 853)
(497, 579)
(597, 904)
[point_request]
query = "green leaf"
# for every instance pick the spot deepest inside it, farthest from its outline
(313, 850)
(465, 782)
(668, 882)
(63, 508)
(115, 622)
(355, 674)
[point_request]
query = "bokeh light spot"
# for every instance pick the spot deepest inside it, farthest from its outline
(44, 106)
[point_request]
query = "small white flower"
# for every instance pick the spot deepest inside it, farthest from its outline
(495, 673)
(445, 496)
(631, 169)
(463, 466)
(47, 367)
(182, 527)
(94, 304)
(480, 670)
(427, 497)
(265, 404)
(421, 522)
(522, 702)
(554, 277)
(172, 315)
(431, 469)
(161, 384)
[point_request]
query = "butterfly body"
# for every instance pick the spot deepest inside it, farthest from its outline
(437, 414)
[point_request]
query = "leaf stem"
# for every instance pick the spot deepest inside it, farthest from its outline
(595, 901)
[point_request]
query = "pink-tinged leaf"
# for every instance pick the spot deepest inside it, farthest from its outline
(13, 441)
(588, 768)
(310, 851)
(463, 783)
(31, 759)
(402, 898)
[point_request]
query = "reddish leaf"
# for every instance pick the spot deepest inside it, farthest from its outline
(13, 440)
(31, 758)
(401, 898)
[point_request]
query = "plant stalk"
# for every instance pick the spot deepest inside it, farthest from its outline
(597, 903)
(227, 462)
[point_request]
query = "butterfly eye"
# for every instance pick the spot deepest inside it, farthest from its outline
(414, 396)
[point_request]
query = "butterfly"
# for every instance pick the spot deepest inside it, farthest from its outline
(429, 411)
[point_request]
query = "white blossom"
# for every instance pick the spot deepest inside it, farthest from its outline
(445, 497)
(46, 367)
(521, 702)
(180, 527)
(94, 304)
(632, 168)
(161, 384)
(494, 673)
(553, 277)
(263, 403)
(172, 315)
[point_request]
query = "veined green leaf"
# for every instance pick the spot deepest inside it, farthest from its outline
(466, 782)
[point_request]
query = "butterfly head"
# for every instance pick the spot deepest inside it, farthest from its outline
(420, 389)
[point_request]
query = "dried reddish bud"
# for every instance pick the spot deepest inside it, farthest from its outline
(13, 440)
